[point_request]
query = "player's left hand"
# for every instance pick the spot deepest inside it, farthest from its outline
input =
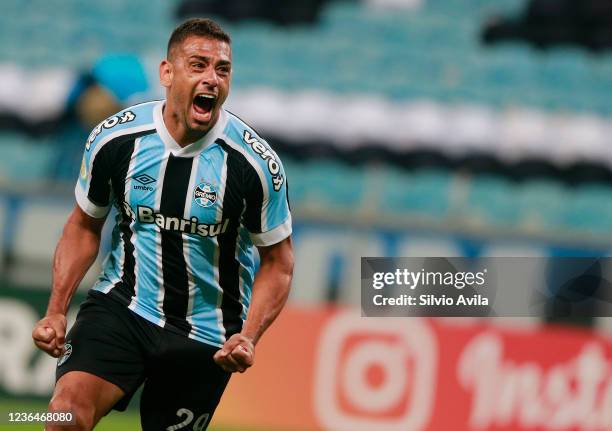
(236, 355)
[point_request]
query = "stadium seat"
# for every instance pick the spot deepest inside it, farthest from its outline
(430, 52)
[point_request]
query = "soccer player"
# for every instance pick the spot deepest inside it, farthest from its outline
(178, 305)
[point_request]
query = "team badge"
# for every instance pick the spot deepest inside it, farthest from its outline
(67, 351)
(205, 195)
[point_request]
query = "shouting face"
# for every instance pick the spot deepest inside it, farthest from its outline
(197, 78)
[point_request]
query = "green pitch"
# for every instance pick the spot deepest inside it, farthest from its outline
(114, 421)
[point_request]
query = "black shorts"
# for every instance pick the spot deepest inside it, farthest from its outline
(181, 379)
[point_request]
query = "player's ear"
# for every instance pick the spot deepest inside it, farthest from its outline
(165, 73)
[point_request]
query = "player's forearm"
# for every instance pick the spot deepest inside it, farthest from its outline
(270, 292)
(75, 253)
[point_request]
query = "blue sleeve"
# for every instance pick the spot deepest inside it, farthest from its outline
(93, 191)
(267, 215)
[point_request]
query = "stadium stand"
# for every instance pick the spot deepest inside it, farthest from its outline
(408, 108)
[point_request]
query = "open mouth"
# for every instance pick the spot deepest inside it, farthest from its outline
(204, 103)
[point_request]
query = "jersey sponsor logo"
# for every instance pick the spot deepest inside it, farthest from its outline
(147, 215)
(144, 181)
(109, 123)
(205, 195)
(268, 156)
(66, 352)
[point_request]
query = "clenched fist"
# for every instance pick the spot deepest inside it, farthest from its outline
(237, 354)
(49, 334)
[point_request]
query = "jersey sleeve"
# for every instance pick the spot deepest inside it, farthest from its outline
(93, 189)
(267, 215)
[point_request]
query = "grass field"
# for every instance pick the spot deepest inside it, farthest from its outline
(114, 421)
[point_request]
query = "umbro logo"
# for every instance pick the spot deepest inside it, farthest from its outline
(144, 179)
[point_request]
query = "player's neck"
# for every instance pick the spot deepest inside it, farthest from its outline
(177, 129)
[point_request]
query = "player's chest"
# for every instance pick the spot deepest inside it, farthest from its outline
(160, 187)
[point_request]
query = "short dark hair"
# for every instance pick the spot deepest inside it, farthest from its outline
(203, 27)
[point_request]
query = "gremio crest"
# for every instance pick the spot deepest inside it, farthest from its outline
(205, 195)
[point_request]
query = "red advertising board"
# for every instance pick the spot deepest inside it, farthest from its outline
(334, 370)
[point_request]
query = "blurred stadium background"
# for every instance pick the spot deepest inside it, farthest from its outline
(407, 128)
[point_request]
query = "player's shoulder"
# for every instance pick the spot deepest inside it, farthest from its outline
(131, 121)
(255, 150)
(242, 135)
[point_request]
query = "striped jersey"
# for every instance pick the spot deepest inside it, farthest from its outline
(188, 218)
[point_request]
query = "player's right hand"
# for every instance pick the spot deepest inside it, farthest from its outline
(49, 334)
(236, 355)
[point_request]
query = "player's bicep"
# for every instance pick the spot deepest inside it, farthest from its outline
(84, 222)
(267, 215)
(279, 254)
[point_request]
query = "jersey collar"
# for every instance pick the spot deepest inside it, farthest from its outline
(195, 147)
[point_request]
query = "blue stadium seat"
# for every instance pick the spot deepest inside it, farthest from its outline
(491, 199)
(24, 159)
(423, 192)
(591, 209)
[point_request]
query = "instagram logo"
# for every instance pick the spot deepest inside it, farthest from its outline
(375, 374)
